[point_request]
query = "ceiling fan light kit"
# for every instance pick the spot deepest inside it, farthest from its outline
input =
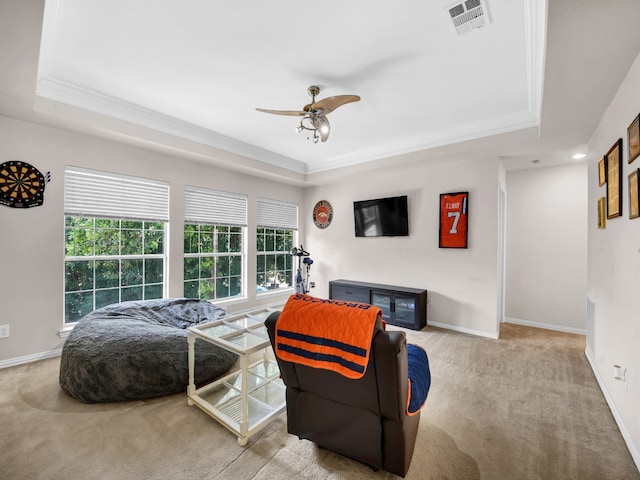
(318, 124)
(314, 115)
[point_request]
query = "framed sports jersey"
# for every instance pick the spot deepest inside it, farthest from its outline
(454, 211)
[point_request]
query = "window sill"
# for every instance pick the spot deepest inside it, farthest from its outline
(66, 330)
(276, 291)
(229, 301)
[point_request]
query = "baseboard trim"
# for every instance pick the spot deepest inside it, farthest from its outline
(12, 362)
(635, 454)
(547, 326)
(456, 328)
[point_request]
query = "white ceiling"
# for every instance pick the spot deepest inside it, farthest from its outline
(195, 71)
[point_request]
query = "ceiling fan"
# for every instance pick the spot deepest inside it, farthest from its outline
(314, 115)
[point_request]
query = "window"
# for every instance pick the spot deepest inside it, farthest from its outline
(277, 225)
(109, 261)
(274, 265)
(114, 240)
(214, 244)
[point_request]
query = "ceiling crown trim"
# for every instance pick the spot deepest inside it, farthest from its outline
(434, 139)
(58, 90)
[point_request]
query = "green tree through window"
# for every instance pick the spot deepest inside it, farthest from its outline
(109, 261)
(213, 258)
(274, 261)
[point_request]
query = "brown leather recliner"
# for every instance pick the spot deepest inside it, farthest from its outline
(364, 419)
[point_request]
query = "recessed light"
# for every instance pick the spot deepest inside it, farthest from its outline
(578, 156)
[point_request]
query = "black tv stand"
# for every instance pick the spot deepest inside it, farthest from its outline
(401, 306)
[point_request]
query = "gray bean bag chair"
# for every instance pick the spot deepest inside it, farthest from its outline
(137, 350)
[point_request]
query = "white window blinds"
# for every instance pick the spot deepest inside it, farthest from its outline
(277, 214)
(202, 205)
(91, 193)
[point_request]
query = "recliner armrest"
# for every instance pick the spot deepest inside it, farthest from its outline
(390, 357)
(271, 320)
(287, 371)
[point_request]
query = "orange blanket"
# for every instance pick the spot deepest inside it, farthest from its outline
(329, 334)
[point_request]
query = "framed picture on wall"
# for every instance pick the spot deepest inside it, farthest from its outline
(602, 171)
(602, 212)
(634, 203)
(633, 139)
(614, 185)
(454, 211)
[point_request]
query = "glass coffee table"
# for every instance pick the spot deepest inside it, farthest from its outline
(246, 400)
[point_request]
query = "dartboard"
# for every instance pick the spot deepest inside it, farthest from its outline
(21, 185)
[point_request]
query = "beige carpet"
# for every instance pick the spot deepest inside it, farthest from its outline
(526, 406)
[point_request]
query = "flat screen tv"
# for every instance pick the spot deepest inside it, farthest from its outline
(382, 217)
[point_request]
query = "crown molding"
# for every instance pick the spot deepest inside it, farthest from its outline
(434, 139)
(65, 92)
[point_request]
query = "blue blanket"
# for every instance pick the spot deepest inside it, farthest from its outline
(419, 378)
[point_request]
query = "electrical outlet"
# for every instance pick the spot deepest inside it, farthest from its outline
(620, 373)
(4, 331)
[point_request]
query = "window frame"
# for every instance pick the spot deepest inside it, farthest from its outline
(275, 216)
(262, 257)
(112, 197)
(119, 258)
(216, 255)
(215, 208)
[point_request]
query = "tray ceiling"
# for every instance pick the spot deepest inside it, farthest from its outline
(199, 69)
(188, 76)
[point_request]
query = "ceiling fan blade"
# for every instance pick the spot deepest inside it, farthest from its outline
(329, 104)
(292, 113)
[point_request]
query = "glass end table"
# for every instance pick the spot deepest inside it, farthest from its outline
(246, 400)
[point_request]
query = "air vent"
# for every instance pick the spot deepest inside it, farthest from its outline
(468, 15)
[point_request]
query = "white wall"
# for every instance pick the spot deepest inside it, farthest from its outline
(462, 283)
(614, 269)
(546, 261)
(32, 240)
